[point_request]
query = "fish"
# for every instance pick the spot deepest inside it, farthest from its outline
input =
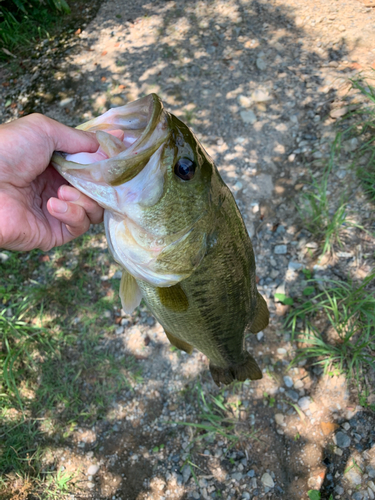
(173, 226)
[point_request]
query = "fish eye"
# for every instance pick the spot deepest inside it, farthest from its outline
(185, 169)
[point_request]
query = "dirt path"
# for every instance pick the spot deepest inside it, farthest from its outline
(258, 83)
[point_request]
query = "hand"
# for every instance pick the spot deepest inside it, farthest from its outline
(37, 207)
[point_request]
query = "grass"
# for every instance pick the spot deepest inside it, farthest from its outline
(324, 221)
(60, 361)
(218, 419)
(336, 325)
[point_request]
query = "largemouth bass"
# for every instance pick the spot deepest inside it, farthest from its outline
(174, 227)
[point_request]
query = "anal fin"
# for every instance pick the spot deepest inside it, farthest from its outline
(262, 315)
(248, 369)
(180, 344)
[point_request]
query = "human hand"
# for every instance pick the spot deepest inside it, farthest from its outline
(37, 207)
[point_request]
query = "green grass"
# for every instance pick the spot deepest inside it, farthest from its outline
(336, 326)
(60, 365)
(23, 23)
(326, 222)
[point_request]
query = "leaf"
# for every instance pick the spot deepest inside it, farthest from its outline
(308, 290)
(281, 297)
(314, 494)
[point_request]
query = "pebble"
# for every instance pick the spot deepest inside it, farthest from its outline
(342, 440)
(338, 112)
(346, 426)
(279, 418)
(294, 266)
(251, 473)
(246, 495)
(91, 485)
(3, 257)
(298, 384)
(92, 470)
(119, 330)
(293, 395)
(370, 493)
(248, 116)
(237, 476)
(66, 101)
(304, 403)
(281, 350)
(358, 495)
(354, 477)
(267, 480)
(244, 101)
(186, 473)
(261, 96)
(288, 381)
(260, 335)
(280, 249)
(261, 63)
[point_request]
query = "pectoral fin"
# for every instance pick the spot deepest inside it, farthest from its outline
(180, 344)
(130, 293)
(262, 315)
(173, 298)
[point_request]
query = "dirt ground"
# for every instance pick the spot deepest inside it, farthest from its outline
(261, 84)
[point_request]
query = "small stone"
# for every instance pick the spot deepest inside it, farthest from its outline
(107, 314)
(117, 275)
(186, 473)
(370, 493)
(304, 403)
(338, 112)
(92, 470)
(338, 451)
(244, 101)
(253, 483)
(371, 485)
(246, 495)
(281, 350)
(91, 485)
(346, 426)
(342, 28)
(342, 440)
(280, 249)
(261, 63)
(288, 381)
(260, 335)
(237, 476)
(251, 473)
(291, 158)
(119, 330)
(261, 96)
(267, 480)
(279, 418)
(298, 384)
(294, 266)
(354, 477)
(339, 489)
(3, 257)
(293, 395)
(248, 116)
(66, 101)
(358, 495)
(370, 471)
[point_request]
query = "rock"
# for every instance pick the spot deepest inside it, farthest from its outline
(3, 257)
(342, 28)
(304, 403)
(346, 426)
(293, 395)
(246, 495)
(342, 440)
(294, 266)
(91, 485)
(251, 473)
(280, 249)
(244, 101)
(279, 418)
(260, 335)
(358, 495)
(237, 476)
(119, 330)
(186, 473)
(338, 451)
(338, 112)
(354, 477)
(288, 381)
(298, 384)
(291, 157)
(66, 101)
(253, 483)
(339, 489)
(370, 493)
(261, 63)
(92, 470)
(261, 96)
(281, 350)
(267, 480)
(248, 116)
(117, 275)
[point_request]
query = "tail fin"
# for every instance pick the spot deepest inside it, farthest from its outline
(249, 369)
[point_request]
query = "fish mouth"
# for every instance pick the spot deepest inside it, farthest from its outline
(128, 136)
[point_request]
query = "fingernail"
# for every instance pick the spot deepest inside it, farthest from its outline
(59, 206)
(69, 193)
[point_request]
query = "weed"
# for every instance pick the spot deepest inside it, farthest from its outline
(337, 325)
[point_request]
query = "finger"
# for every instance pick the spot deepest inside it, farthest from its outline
(92, 209)
(70, 214)
(63, 138)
